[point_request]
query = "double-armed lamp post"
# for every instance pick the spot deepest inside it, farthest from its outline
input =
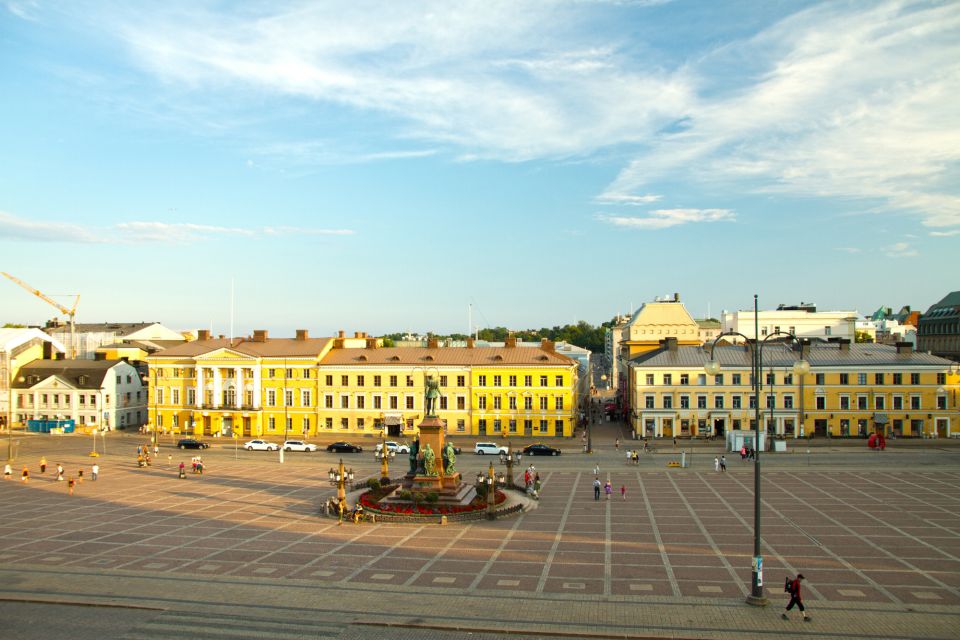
(491, 480)
(801, 367)
(383, 455)
(339, 477)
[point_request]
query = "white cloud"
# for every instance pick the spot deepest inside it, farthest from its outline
(900, 250)
(621, 198)
(24, 9)
(13, 227)
(848, 249)
(945, 234)
(663, 218)
(858, 102)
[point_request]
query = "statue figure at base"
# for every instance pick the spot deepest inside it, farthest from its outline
(449, 460)
(429, 461)
(414, 450)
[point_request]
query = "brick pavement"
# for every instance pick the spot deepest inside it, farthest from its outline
(881, 550)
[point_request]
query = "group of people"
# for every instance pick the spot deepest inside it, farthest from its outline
(71, 482)
(607, 487)
(143, 455)
(720, 464)
(196, 466)
(531, 481)
(747, 453)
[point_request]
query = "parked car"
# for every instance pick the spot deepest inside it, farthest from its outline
(540, 450)
(344, 447)
(488, 448)
(192, 443)
(298, 445)
(396, 447)
(260, 445)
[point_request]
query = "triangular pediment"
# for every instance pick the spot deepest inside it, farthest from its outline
(53, 383)
(224, 354)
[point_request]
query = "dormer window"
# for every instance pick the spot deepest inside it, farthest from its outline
(395, 359)
(82, 380)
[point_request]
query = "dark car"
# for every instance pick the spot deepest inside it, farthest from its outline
(540, 450)
(191, 443)
(344, 447)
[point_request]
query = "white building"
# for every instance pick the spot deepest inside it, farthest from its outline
(17, 348)
(803, 321)
(101, 394)
(90, 336)
(611, 348)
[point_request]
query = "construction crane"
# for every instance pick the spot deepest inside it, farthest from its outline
(70, 313)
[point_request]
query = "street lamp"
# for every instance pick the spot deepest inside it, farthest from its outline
(286, 419)
(383, 455)
(490, 480)
(338, 478)
(712, 367)
(509, 458)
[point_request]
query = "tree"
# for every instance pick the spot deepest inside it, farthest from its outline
(863, 336)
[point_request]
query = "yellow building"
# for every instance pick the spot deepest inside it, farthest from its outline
(851, 391)
(302, 387)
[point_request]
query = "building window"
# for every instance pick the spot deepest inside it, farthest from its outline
(771, 378)
(668, 402)
(361, 402)
(736, 402)
(513, 426)
(914, 378)
(861, 379)
(559, 427)
(409, 381)
(941, 378)
(271, 424)
(306, 375)
(328, 423)
(328, 401)
(543, 426)
(305, 398)
(649, 379)
(328, 380)
(559, 404)
(461, 403)
(898, 378)
(559, 381)
(496, 381)
(826, 331)
(648, 402)
(344, 401)
(512, 381)
(737, 379)
(377, 402)
(844, 378)
(393, 381)
(667, 379)
(528, 403)
(443, 381)
(377, 380)
(914, 403)
(878, 378)
(159, 396)
(879, 404)
(443, 403)
(684, 378)
(481, 381)
(408, 402)
(942, 403)
(482, 403)
(543, 381)
(861, 403)
(512, 403)
(718, 379)
(788, 402)
(821, 403)
(701, 402)
(684, 402)
(360, 381)
(461, 381)
(820, 378)
(288, 397)
(528, 381)
(344, 381)
(496, 403)
(844, 403)
(718, 402)
(174, 396)
(344, 423)
(898, 403)
(543, 404)
(461, 426)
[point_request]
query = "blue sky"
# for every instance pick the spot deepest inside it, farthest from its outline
(378, 166)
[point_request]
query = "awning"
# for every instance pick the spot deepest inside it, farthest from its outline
(392, 421)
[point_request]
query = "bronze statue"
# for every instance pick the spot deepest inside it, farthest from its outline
(414, 450)
(430, 400)
(429, 461)
(449, 460)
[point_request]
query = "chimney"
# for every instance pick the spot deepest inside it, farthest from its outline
(341, 334)
(844, 344)
(548, 346)
(371, 343)
(259, 335)
(511, 342)
(904, 347)
(357, 334)
(203, 334)
(302, 335)
(670, 344)
(676, 297)
(470, 343)
(433, 343)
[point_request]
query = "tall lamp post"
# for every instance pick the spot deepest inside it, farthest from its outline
(383, 455)
(490, 480)
(800, 368)
(338, 478)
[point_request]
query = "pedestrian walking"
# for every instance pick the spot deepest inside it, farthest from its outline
(623, 491)
(723, 463)
(80, 475)
(183, 470)
(43, 464)
(95, 471)
(59, 472)
(25, 476)
(616, 444)
(793, 588)
(536, 487)
(156, 450)
(7, 471)
(608, 489)
(596, 488)
(169, 459)
(70, 484)
(596, 470)
(716, 463)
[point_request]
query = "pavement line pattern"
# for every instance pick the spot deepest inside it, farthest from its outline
(542, 582)
(769, 547)
(900, 558)
(674, 585)
(710, 539)
(482, 573)
(386, 551)
(846, 563)
(451, 543)
(201, 626)
(607, 549)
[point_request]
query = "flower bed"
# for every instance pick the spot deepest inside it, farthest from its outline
(370, 503)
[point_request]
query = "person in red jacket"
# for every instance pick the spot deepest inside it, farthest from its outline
(796, 599)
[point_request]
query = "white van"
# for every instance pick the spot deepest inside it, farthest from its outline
(491, 448)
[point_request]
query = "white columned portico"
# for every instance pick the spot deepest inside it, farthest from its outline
(217, 388)
(256, 386)
(198, 400)
(237, 387)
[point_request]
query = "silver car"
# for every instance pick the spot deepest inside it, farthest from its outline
(298, 445)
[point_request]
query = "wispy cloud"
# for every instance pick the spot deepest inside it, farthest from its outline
(900, 250)
(13, 227)
(848, 249)
(23, 9)
(858, 102)
(945, 234)
(623, 198)
(663, 218)
(314, 152)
